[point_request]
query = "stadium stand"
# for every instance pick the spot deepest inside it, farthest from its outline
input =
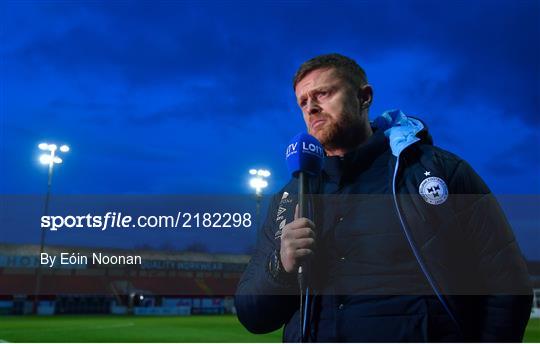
(163, 283)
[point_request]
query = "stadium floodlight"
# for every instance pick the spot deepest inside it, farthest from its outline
(258, 182)
(51, 158)
(263, 173)
(47, 159)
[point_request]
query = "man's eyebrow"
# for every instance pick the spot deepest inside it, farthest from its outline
(322, 88)
(318, 89)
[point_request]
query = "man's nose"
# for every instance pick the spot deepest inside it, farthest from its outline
(312, 107)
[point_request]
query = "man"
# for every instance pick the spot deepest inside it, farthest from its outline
(405, 243)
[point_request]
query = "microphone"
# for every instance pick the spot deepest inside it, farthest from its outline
(304, 157)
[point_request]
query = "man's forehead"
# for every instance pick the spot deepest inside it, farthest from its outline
(316, 78)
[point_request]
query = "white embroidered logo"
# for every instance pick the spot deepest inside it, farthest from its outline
(433, 190)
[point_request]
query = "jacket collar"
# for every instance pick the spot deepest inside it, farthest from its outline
(392, 127)
(400, 130)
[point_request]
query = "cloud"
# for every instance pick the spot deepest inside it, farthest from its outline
(523, 156)
(252, 51)
(169, 73)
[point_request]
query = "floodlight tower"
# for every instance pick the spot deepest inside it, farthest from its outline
(49, 159)
(258, 182)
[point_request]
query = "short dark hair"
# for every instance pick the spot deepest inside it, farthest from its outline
(345, 67)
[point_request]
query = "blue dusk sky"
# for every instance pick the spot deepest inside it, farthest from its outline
(184, 97)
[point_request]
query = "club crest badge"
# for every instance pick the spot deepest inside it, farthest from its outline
(433, 190)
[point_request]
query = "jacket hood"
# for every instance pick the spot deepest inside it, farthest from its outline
(402, 130)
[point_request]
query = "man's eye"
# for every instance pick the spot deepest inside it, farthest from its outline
(322, 94)
(303, 103)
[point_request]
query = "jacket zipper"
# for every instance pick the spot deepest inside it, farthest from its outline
(416, 253)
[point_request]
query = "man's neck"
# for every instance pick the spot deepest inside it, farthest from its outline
(363, 136)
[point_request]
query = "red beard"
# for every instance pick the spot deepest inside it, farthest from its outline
(337, 134)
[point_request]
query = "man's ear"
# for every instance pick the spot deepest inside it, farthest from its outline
(365, 96)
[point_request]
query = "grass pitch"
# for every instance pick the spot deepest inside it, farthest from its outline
(108, 328)
(532, 333)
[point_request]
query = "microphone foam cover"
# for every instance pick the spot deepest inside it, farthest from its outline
(305, 153)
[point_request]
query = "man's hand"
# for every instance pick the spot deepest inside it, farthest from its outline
(297, 242)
